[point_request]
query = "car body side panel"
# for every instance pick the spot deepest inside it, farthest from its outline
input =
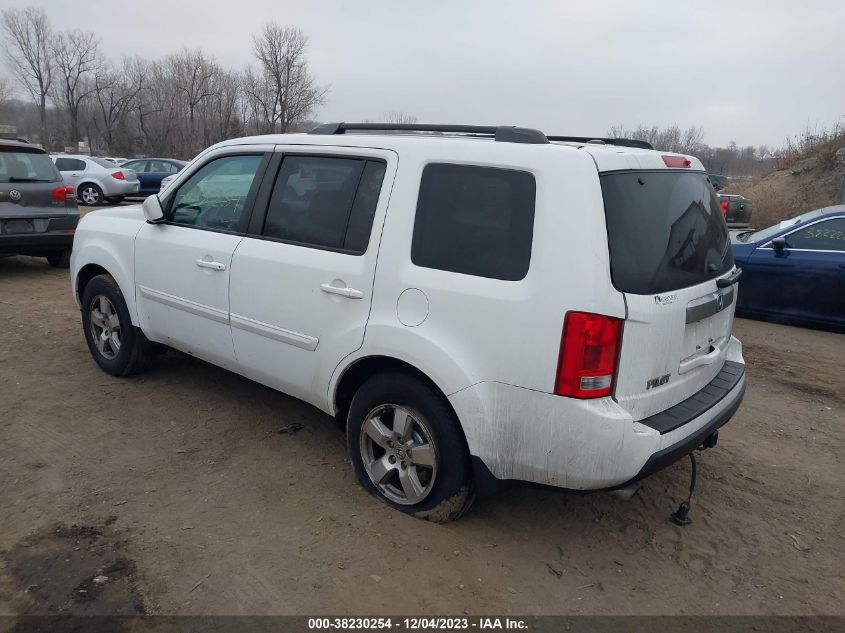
(107, 238)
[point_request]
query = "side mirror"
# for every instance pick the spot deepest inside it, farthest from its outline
(152, 209)
(779, 243)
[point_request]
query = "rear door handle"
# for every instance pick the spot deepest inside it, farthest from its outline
(212, 265)
(351, 293)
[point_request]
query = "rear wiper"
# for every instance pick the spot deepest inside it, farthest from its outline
(16, 179)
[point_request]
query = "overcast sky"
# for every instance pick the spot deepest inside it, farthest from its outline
(752, 72)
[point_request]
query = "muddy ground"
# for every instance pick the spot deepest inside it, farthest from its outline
(174, 492)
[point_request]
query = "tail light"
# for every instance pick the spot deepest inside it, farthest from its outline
(724, 205)
(676, 161)
(60, 194)
(118, 175)
(589, 355)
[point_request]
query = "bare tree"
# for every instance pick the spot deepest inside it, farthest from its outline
(293, 93)
(115, 92)
(669, 139)
(5, 91)
(76, 56)
(193, 74)
(27, 34)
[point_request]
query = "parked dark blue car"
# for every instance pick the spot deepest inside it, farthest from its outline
(794, 272)
(151, 171)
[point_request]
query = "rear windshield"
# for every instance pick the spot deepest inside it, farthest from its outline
(24, 166)
(666, 230)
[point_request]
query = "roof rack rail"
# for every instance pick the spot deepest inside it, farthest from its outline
(500, 133)
(621, 142)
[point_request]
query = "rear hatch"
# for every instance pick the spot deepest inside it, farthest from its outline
(30, 188)
(668, 244)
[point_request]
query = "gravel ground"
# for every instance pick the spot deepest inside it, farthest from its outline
(173, 492)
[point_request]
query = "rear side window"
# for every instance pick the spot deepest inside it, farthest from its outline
(26, 167)
(475, 220)
(665, 231)
(70, 164)
(325, 202)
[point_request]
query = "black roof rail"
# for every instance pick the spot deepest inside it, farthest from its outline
(501, 133)
(621, 142)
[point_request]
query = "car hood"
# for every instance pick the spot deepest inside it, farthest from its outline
(130, 212)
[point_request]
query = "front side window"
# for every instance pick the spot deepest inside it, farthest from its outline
(325, 202)
(475, 220)
(828, 235)
(138, 166)
(162, 167)
(214, 197)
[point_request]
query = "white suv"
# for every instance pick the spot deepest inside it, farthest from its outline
(472, 304)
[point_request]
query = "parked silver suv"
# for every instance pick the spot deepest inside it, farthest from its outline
(96, 180)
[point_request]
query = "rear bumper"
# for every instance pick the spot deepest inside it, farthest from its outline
(35, 243)
(583, 444)
(121, 187)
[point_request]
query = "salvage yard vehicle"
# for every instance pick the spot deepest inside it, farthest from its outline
(38, 212)
(96, 180)
(480, 304)
(794, 271)
(736, 209)
(151, 171)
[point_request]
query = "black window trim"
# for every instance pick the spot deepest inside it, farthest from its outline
(262, 203)
(249, 203)
(526, 170)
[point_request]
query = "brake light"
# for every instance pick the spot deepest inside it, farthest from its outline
(724, 204)
(676, 161)
(589, 355)
(118, 175)
(60, 194)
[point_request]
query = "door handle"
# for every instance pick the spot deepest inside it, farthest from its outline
(212, 265)
(351, 293)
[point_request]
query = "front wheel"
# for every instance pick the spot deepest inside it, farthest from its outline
(118, 347)
(407, 448)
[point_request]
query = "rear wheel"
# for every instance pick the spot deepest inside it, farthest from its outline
(59, 259)
(407, 449)
(115, 199)
(118, 347)
(89, 194)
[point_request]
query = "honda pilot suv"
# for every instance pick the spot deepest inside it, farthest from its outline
(471, 303)
(38, 212)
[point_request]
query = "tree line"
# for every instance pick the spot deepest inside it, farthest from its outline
(179, 104)
(173, 106)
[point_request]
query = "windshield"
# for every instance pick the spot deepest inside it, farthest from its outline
(665, 230)
(26, 166)
(766, 234)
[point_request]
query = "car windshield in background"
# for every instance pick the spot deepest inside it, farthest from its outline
(24, 166)
(770, 232)
(665, 230)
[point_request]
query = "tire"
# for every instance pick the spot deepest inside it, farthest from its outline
(59, 259)
(115, 199)
(123, 350)
(89, 194)
(381, 441)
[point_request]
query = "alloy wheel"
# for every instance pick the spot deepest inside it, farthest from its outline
(104, 324)
(399, 453)
(90, 196)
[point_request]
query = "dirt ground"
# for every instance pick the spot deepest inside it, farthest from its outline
(173, 492)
